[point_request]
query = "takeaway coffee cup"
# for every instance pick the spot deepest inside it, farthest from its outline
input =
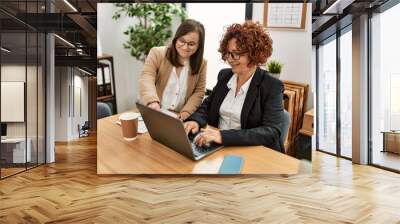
(129, 124)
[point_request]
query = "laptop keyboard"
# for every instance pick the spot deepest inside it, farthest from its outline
(198, 150)
(202, 149)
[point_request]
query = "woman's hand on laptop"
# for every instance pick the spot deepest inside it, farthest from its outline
(191, 126)
(208, 135)
(154, 105)
(183, 115)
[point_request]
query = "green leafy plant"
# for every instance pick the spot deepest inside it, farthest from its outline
(153, 28)
(274, 67)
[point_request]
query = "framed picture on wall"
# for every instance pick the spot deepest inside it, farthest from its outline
(285, 15)
(12, 101)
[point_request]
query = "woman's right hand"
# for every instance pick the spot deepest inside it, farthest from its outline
(154, 105)
(191, 126)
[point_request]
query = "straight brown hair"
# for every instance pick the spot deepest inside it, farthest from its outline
(196, 59)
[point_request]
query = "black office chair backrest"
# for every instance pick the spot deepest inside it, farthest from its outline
(208, 92)
(285, 125)
(86, 126)
(103, 110)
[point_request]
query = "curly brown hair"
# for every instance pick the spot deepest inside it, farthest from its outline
(251, 37)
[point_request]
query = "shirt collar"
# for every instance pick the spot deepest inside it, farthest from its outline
(233, 82)
(185, 68)
(246, 85)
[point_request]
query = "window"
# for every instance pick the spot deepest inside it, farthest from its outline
(327, 96)
(385, 87)
(22, 66)
(346, 93)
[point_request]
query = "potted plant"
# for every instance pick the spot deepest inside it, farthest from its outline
(274, 68)
(153, 27)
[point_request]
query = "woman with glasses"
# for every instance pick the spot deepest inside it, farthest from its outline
(246, 104)
(174, 76)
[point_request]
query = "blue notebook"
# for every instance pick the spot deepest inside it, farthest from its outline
(231, 165)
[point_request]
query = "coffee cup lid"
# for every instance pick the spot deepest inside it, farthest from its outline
(129, 116)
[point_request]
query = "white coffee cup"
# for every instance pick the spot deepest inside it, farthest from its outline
(129, 124)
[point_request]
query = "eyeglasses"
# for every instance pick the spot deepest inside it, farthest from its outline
(234, 55)
(191, 45)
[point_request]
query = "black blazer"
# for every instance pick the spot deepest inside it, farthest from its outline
(262, 112)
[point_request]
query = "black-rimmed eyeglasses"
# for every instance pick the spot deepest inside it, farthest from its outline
(234, 55)
(191, 45)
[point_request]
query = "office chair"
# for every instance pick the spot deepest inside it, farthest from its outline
(103, 110)
(208, 92)
(84, 130)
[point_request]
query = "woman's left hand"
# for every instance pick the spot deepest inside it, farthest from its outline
(183, 115)
(208, 135)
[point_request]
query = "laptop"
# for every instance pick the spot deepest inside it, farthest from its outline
(169, 131)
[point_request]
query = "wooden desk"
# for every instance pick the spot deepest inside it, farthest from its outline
(13, 150)
(391, 141)
(147, 156)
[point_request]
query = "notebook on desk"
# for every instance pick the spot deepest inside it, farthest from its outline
(231, 164)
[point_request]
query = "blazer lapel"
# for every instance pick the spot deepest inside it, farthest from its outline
(250, 97)
(191, 83)
(164, 73)
(219, 97)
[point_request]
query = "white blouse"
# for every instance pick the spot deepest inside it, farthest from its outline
(174, 94)
(231, 108)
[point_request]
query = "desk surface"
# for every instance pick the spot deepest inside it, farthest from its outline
(147, 156)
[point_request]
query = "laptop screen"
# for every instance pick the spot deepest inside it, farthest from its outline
(3, 129)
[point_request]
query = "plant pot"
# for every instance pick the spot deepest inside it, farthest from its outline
(275, 75)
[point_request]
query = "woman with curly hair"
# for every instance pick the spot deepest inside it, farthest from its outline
(246, 104)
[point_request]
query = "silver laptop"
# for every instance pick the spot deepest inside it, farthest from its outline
(170, 132)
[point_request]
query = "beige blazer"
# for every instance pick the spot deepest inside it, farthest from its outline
(155, 75)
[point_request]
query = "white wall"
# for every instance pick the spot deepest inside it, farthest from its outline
(214, 29)
(67, 112)
(125, 66)
(293, 49)
(81, 104)
(82, 82)
(61, 104)
(127, 69)
(12, 73)
(33, 127)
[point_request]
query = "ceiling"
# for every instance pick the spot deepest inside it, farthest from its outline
(328, 16)
(74, 21)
